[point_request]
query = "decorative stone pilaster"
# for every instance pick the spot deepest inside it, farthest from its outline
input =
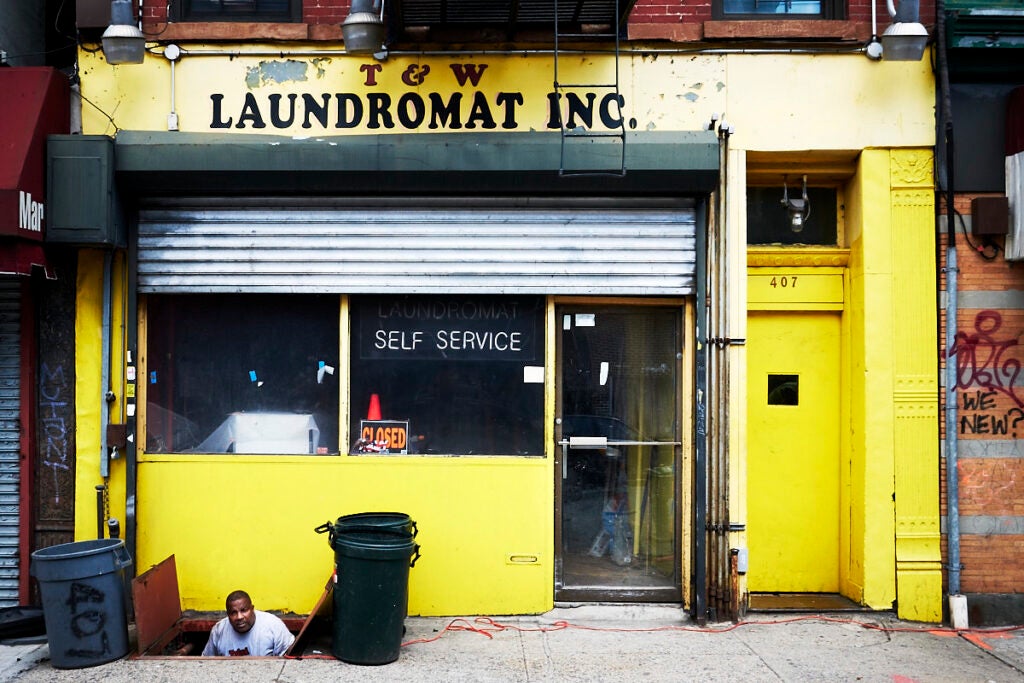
(915, 388)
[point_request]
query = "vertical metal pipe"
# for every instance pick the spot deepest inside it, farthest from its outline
(105, 365)
(712, 416)
(699, 604)
(715, 415)
(952, 307)
(724, 558)
(952, 475)
(131, 360)
(75, 109)
(100, 523)
(715, 410)
(717, 339)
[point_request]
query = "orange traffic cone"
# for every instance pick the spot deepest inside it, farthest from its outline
(374, 412)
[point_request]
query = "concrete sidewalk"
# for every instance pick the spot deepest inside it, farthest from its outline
(611, 643)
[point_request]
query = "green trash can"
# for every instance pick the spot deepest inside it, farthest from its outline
(392, 521)
(83, 595)
(396, 521)
(371, 593)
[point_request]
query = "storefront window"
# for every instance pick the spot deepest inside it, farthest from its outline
(456, 375)
(242, 374)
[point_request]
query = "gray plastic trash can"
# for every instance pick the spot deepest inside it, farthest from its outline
(83, 594)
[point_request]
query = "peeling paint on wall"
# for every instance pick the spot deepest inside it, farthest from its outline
(267, 72)
(318, 64)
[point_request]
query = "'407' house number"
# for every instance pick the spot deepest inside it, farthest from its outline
(783, 281)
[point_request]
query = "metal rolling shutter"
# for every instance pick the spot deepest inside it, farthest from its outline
(10, 439)
(444, 249)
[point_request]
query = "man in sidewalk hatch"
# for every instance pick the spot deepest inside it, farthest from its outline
(246, 631)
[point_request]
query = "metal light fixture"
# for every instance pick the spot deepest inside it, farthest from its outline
(363, 29)
(906, 37)
(799, 209)
(123, 42)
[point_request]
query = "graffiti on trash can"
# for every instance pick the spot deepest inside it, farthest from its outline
(87, 621)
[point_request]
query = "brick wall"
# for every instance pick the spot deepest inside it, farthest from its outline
(313, 11)
(990, 404)
(324, 11)
(678, 20)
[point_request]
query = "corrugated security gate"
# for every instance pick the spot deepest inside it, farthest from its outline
(638, 249)
(10, 439)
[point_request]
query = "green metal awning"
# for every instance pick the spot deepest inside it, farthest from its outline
(657, 164)
(985, 39)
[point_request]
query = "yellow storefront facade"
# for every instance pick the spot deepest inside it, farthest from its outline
(644, 437)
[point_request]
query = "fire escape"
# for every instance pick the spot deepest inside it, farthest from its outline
(587, 96)
(576, 97)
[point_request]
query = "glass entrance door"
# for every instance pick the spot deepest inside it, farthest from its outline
(618, 452)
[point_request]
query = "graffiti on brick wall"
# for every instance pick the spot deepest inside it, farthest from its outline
(980, 412)
(987, 373)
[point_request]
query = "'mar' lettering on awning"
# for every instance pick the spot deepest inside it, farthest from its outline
(30, 212)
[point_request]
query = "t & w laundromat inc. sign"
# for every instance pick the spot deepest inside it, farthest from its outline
(405, 97)
(319, 92)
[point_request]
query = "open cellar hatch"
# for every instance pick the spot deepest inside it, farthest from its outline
(163, 630)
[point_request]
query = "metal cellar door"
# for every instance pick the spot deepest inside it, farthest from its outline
(617, 454)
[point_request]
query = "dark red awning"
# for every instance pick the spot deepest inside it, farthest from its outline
(21, 257)
(35, 104)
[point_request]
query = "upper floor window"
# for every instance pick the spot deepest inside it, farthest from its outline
(777, 9)
(237, 10)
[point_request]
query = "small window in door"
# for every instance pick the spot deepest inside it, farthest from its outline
(783, 390)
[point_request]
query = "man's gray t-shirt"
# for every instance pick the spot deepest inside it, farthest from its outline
(268, 637)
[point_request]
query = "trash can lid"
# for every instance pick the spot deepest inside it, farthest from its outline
(64, 551)
(374, 543)
(78, 560)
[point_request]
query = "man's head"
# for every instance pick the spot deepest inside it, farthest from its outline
(241, 613)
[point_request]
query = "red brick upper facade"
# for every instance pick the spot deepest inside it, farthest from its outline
(656, 20)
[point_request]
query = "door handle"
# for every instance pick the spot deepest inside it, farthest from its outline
(598, 443)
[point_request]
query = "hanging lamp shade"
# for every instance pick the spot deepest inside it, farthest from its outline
(904, 42)
(123, 42)
(363, 29)
(906, 37)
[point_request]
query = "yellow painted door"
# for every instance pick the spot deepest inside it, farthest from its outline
(793, 452)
